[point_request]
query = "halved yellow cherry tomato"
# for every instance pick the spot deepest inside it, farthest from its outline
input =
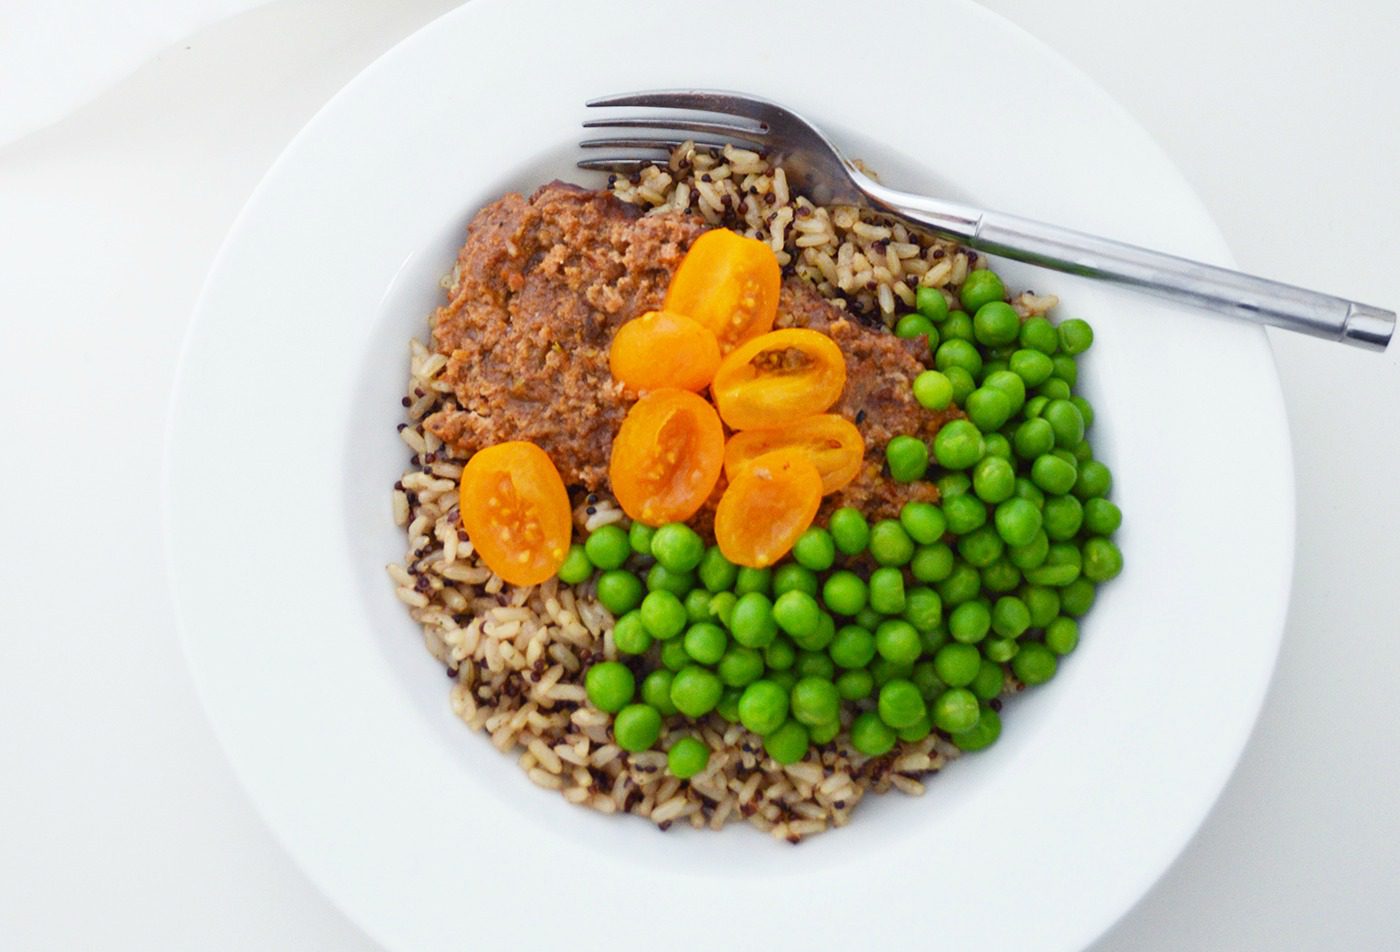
(778, 378)
(664, 349)
(766, 507)
(516, 511)
(831, 442)
(666, 457)
(730, 284)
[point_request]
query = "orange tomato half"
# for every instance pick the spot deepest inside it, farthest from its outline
(832, 443)
(766, 507)
(516, 511)
(778, 378)
(730, 284)
(666, 457)
(663, 349)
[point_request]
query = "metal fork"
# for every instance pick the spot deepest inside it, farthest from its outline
(815, 167)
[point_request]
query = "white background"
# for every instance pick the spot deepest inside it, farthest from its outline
(120, 825)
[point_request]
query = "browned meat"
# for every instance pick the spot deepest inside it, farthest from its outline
(541, 285)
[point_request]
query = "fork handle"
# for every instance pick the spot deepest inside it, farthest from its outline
(1178, 279)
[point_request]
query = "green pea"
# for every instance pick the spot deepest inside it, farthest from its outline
(926, 679)
(797, 613)
(1033, 438)
(763, 706)
(619, 591)
(639, 538)
(1039, 334)
(957, 663)
(1094, 480)
(716, 572)
(872, 736)
(697, 605)
(931, 303)
(1043, 604)
(781, 654)
(662, 579)
(1000, 650)
(678, 547)
(1066, 369)
(636, 727)
(630, 634)
(1001, 576)
(996, 323)
(1057, 575)
(1010, 617)
(990, 681)
(969, 622)
(722, 607)
(819, 639)
(993, 480)
(887, 591)
(855, 685)
(853, 647)
(1053, 474)
(933, 639)
(964, 513)
(575, 569)
(1034, 663)
(1017, 521)
(956, 352)
(1054, 389)
(663, 615)
(961, 585)
(752, 622)
(815, 701)
(1086, 410)
(609, 685)
(820, 734)
(916, 731)
(900, 704)
(1101, 517)
(728, 706)
(979, 288)
(607, 547)
(1076, 336)
(962, 382)
(791, 577)
(890, 544)
(1063, 517)
(868, 618)
(783, 679)
(913, 325)
(898, 641)
(931, 563)
(1077, 597)
(673, 654)
(1102, 559)
(991, 364)
(956, 710)
(788, 744)
(706, 642)
(740, 666)
(981, 547)
(981, 735)
(907, 458)
(814, 664)
(656, 691)
(1026, 489)
(695, 691)
(1062, 635)
(751, 580)
(933, 390)
(883, 670)
(844, 593)
(815, 549)
(849, 530)
(923, 608)
(1033, 367)
(1009, 384)
(687, 757)
(994, 444)
(1066, 420)
(1034, 407)
(957, 326)
(988, 408)
(923, 521)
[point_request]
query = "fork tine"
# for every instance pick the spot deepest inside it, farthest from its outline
(723, 129)
(639, 143)
(704, 100)
(621, 166)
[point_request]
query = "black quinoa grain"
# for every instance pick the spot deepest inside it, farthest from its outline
(412, 497)
(939, 253)
(664, 825)
(860, 416)
(461, 535)
(840, 804)
(591, 510)
(401, 427)
(452, 673)
(398, 484)
(995, 704)
(406, 402)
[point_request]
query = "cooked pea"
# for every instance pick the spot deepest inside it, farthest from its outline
(819, 639)
(1043, 604)
(956, 352)
(979, 288)
(763, 706)
(1026, 489)
(740, 666)
(706, 642)
(619, 591)
(797, 613)
(872, 736)
(931, 563)
(815, 701)
(636, 727)
(784, 679)
(820, 734)
(900, 703)
(791, 577)
(849, 530)
(913, 325)
(788, 743)
(844, 592)
(687, 757)
(868, 618)
(990, 680)
(1053, 474)
(916, 731)
(1063, 517)
(923, 608)
(957, 326)
(1001, 576)
(962, 382)
(907, 458)
(964, 513)
(1033, 438)
(961, 585)
(981, 735)
(639, 538)
(1034, 407)
(663, 615)
(673, 654)
(890, 544)
(887, 591)
(1101, 517)
(662, 579)
(1009, 384)
(815, 549)
(728, 706)
(1066, 369)
(956, 710)
(969, 622)
(1039, 334)
(1053, 389)
(957, 664)
(1067, 422)
(883, 670)
(630, 634)
(656, 691)
(697, 605)
(993, 480)
(678, 547)
(1010, 617)
(933, 639)
(1076, 336)
(855, 685)
(853, 647)
(695, 691)
(814, 664)
(991, 364)
(609, 685)
(981, 547)
(996, 323)
(717, 573)
(752, 622)
(607, 547)
(1017, 521)
(988, 408)
(1034, 663)
(933, 390)
(898, 641)
(1086, 410)
(994, 444)
(1032, 366)
(1094, 480)
(1000, 650)
(1062, 635)
(923, 521)
(753, 580)
(722, 607)
(926, 679)
(931, 303)
(575, 568)
(1102, 559)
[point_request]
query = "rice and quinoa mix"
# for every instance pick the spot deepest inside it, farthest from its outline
(517, 656)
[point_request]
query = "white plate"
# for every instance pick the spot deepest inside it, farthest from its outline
(282, 451)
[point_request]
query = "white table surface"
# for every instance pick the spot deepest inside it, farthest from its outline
(121, 826)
